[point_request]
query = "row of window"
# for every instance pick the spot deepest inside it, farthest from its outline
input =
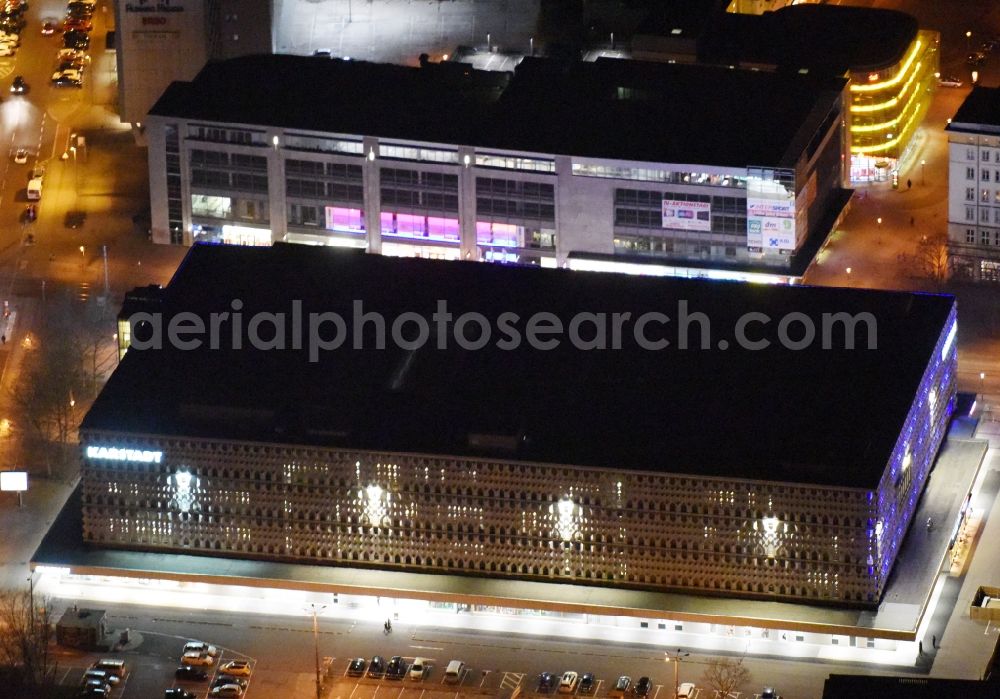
(340, 171)
(216, 159)
(649, 245)
(515, 188)
(515, 209)
(984, 214)
(239, 181)
(985, 175)
(986, 237)
(984, 195)
(333, 191)
(414, 178)
(984, 154)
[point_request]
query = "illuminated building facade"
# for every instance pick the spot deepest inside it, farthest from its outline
(493, 167)
(887, 106)
(974, 187)
(891, 63)
(699, 471)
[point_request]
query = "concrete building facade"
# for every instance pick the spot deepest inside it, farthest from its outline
(974, 187)
(506, 190)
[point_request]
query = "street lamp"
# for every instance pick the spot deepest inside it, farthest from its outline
(879, 222)
(317, 609)
(968, 42)
(677, 657)
(982, 380)
(923, 164)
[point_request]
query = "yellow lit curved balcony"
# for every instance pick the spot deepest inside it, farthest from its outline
(896, 79)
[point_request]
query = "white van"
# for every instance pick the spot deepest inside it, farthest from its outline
(35, 189)
(453, 673)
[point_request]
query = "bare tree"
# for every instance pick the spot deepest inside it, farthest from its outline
(932, 258)
(25, 640)
(726, 675)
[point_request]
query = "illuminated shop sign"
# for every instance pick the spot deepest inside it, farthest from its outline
(140, 456)
(687, 215)
(149, 6)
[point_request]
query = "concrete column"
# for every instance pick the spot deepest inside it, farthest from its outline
(467, 203)
(277, 206)
(373, 199)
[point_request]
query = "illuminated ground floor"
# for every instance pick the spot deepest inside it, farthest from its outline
(65, 568)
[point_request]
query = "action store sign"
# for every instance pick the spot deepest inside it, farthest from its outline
(687, 215)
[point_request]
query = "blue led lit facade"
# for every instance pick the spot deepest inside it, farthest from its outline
(899, 490)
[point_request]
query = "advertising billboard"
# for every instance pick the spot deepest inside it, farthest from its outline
(770, 210)
(687, 215)
(16, 481)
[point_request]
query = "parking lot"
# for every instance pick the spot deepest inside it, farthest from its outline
(152, 671)
(473, 682)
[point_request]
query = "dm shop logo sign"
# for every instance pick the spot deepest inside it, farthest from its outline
(147, 6)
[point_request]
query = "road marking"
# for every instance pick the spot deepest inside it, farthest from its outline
(427, 648)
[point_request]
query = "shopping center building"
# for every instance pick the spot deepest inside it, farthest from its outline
(891, 63)
(696, 470)
(559, 164)
(974, 187)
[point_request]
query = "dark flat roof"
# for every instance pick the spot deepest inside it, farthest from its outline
(979, 112)
(830, 39)
(812, 416)
(653, 112)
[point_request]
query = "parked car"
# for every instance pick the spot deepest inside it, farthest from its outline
(586, 683)
(76, 40)
(6, 50)
(200, 647)
(95, 685)
(622, 685)
(241, 668)
(769, 693)
(70, 55)
(103, 675)
(68, 78)
(546, 681)
(226, 690)
(418, 670)
(685, 690)
(377, 666)
(396, 669)
(196, 658)
(186, 672)
(643, 686)
(949, 81)
(113, 666)
(567, 683)
(77, 24)
(357, 667)
(230, 679)
(178, 693)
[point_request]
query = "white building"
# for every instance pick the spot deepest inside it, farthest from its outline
(558, 164)
(974, 186)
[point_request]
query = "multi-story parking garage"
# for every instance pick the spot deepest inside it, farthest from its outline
(550, 165)
(778, 472)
